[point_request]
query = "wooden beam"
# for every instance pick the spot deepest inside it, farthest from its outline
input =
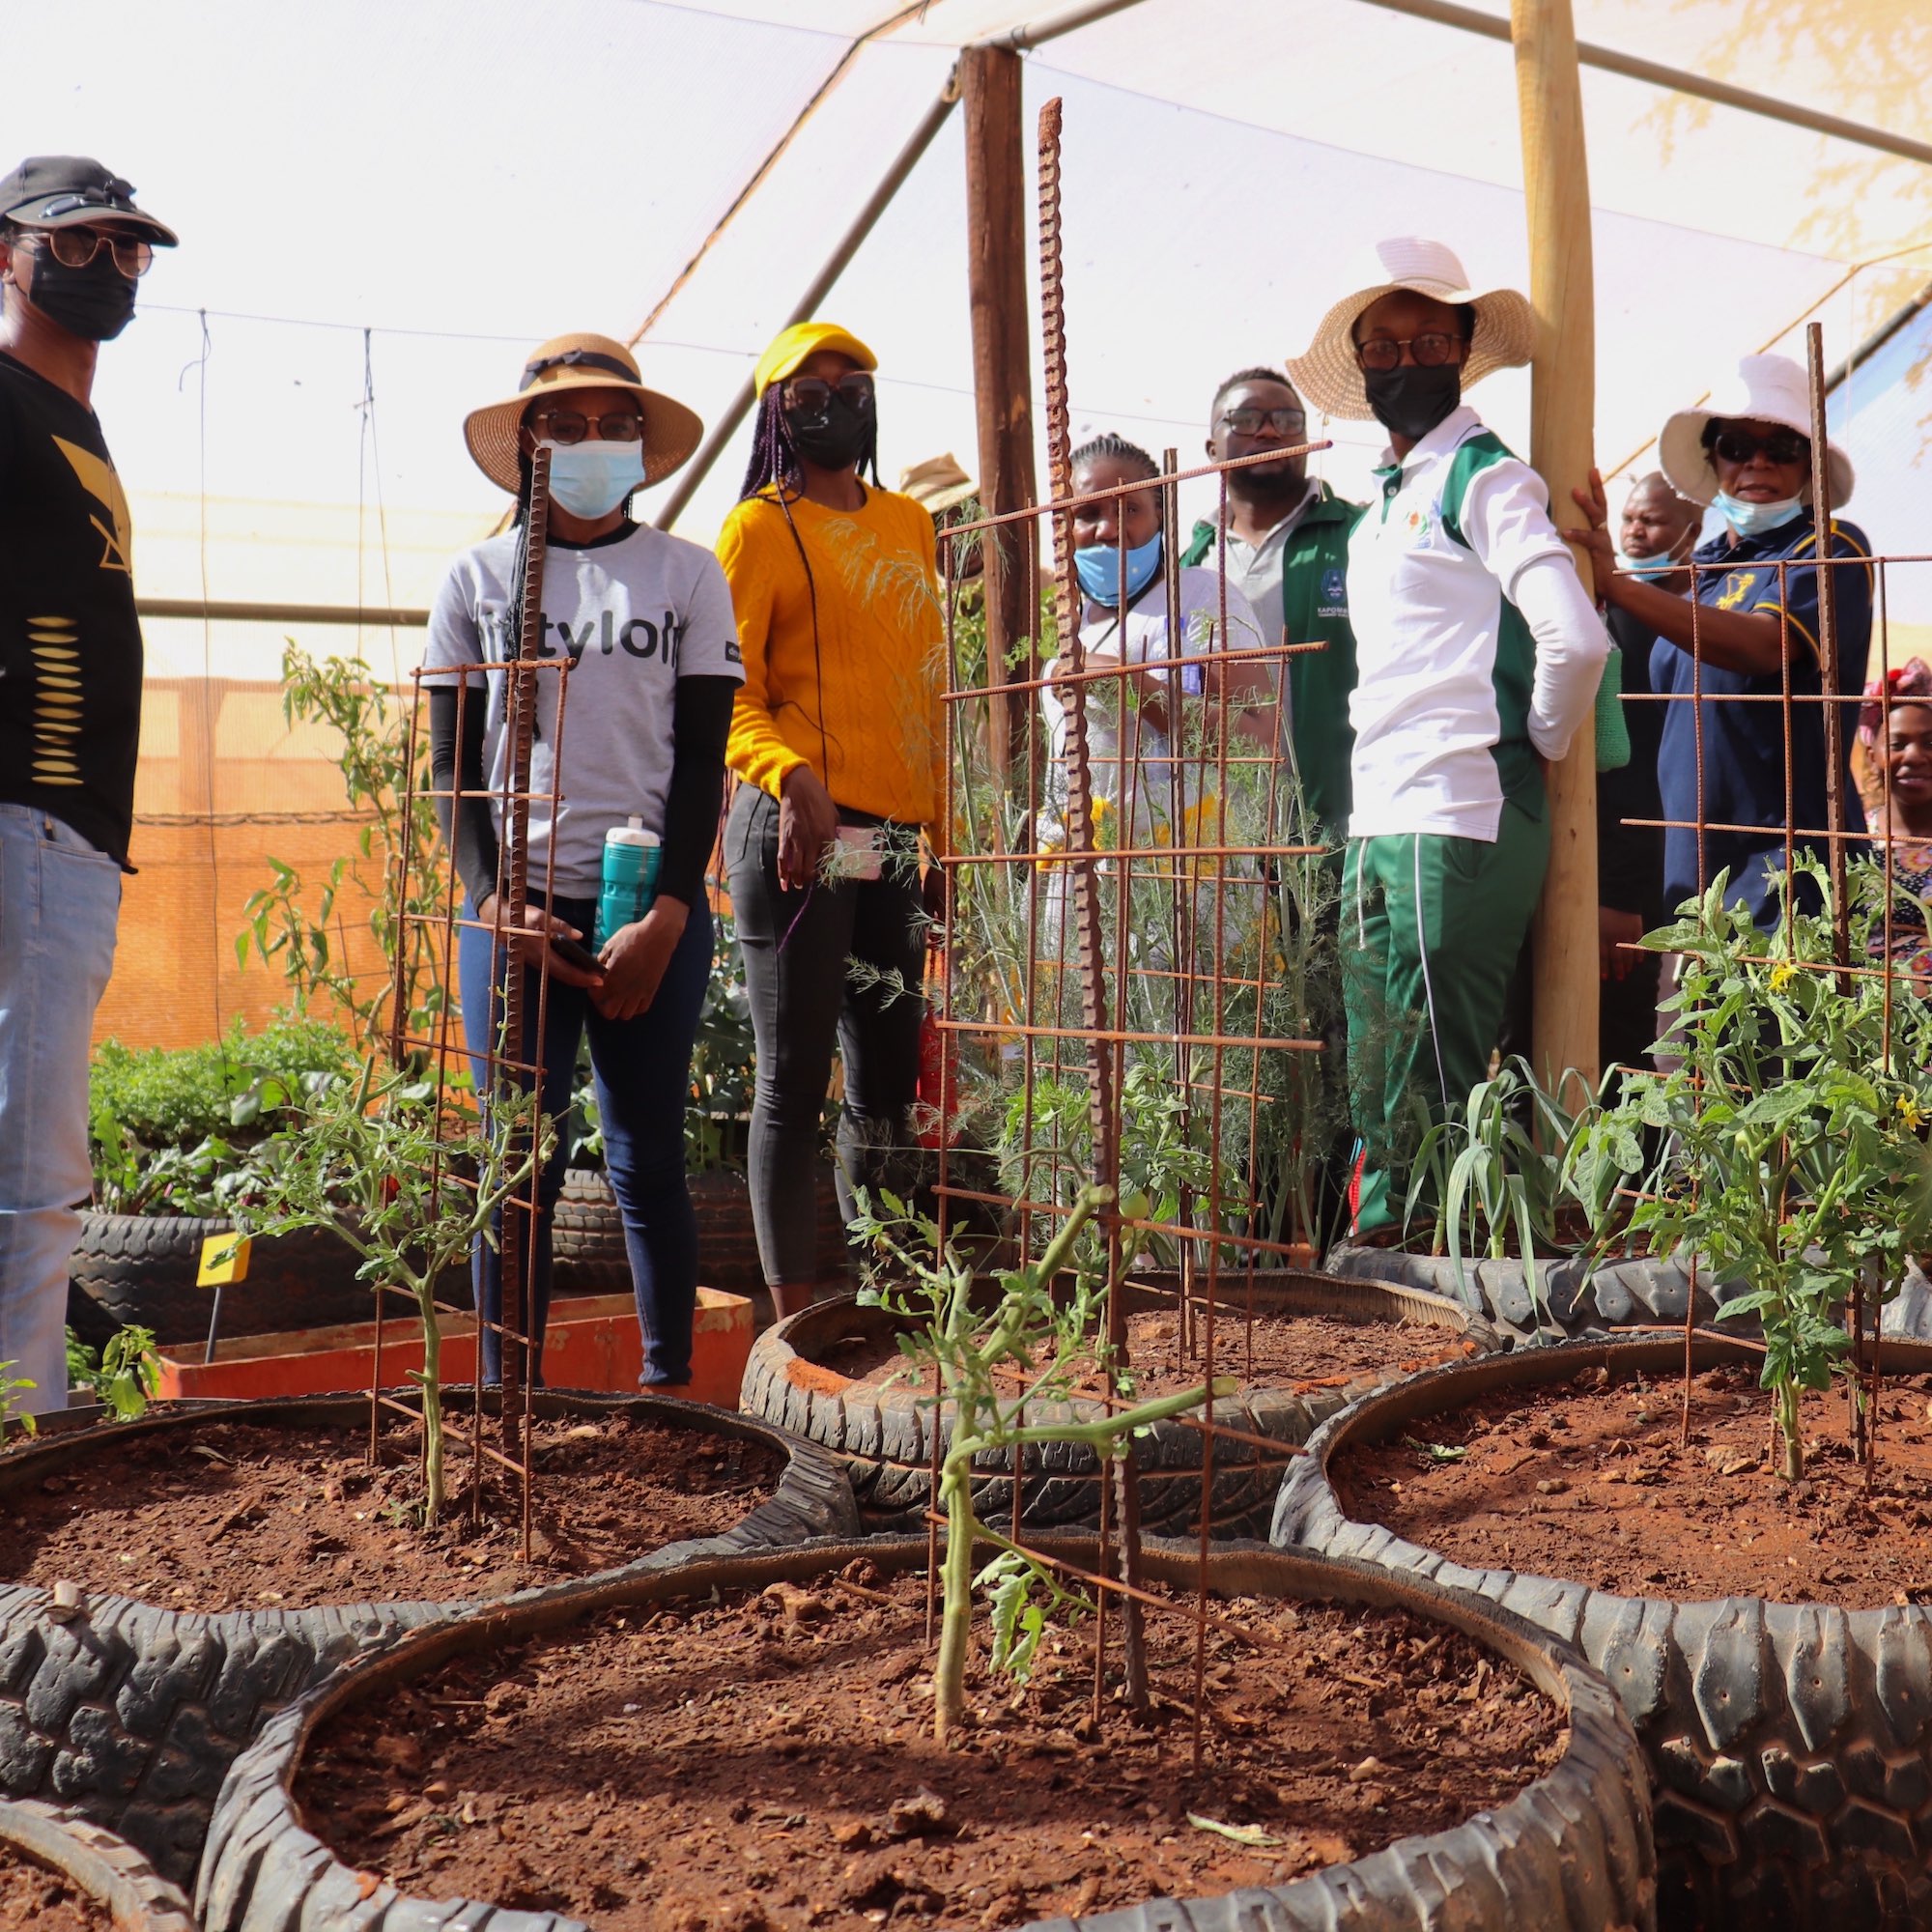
(1556, 193)
(996, 240)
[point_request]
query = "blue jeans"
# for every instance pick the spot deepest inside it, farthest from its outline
(642, 1069)
(59, 900)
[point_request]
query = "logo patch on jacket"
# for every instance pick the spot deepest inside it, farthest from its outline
(1334, 594)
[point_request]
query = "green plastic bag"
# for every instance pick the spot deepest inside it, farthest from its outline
(1613, 738)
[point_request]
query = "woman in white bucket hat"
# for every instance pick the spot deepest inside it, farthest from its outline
(1479, 653)
(1748, 453)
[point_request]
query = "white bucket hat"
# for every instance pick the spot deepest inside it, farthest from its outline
(1765, 388)
(1328, 375)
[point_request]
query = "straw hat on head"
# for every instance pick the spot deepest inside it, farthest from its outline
(938, 484)
(1764, 388)
(582, 361)
(1328, 375)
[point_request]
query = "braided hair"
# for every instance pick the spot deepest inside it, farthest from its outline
(775, 463)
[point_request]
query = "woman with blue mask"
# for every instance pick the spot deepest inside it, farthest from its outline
(637, 741)
(1125, 621)
(1751, 625)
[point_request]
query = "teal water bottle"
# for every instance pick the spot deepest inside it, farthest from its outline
(631, 858)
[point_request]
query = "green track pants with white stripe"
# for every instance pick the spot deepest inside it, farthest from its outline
(1430, 930)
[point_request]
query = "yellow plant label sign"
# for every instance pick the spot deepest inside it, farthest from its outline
(223, 1257)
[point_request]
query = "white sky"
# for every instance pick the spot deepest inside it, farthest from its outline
(464, 178)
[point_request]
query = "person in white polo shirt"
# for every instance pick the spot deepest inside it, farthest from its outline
(1478, 654)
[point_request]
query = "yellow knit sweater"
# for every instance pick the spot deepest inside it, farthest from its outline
(861, 705)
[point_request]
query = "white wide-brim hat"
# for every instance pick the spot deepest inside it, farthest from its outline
(1765, 389)
(1329, 376)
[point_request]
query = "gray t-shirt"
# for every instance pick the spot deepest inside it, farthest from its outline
(634, 612)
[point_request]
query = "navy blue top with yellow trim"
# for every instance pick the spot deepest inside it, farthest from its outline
(1743, 777)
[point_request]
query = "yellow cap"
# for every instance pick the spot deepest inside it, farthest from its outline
(794, 344)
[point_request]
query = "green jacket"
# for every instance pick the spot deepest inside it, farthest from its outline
(1315, 610)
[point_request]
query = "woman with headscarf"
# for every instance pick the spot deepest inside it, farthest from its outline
(645, 621)
(1748, 633)
(1892, 762)
(835, 737)
(1478, 654)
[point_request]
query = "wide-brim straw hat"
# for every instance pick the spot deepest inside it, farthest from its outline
(1329, 376)
(937, 484)
(582, 361)
(1764, 388)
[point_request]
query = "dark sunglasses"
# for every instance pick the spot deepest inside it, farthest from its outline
(75, 248)
(1782, 445)
(812, 395)
(1430, 352)
(1247, 423)
(567, 426)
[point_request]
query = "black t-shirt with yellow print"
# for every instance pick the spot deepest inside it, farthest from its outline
(70, 640)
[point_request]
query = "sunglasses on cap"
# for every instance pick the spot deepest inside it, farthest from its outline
(568, 426)
(1782, 445)
(1248, 422)
(75, 248)
(812, 395)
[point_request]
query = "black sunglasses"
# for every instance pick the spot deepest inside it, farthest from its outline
(1248, 422)
(812, 395)
(1782, 445)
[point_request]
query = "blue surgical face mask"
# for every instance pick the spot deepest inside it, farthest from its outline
(1754, 519)
(592, 477)
(1099, 567)
(1659, 565)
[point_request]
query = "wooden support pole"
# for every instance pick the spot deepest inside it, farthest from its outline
(1556, 193)
(996, 241)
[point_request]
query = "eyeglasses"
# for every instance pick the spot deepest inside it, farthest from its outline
(567, 426)
(1782, 445)
(1247, 423)
(75, 248)
(1429, 352)
(812, 395)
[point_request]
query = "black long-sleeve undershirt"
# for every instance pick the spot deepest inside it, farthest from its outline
(700, 724)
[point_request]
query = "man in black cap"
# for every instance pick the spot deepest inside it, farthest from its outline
(72, 245)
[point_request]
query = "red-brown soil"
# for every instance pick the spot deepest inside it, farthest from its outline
(737, 1765)
(48, 1901)
(231, 1515)
(1587, 1481)
(1296, 1352)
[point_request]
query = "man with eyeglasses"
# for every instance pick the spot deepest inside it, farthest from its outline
(72, 244)
(1478, 654)
(1751, 624)
(1286, 549)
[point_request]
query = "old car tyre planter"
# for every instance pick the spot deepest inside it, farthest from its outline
(1790, 1744)
(1568, 1852)
(884, 1437)
(131, 1714)
(105, 1868)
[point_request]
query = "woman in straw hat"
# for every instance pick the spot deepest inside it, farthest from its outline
(645, 622)
(1478, 655)
(1751, 625)
(835, 737)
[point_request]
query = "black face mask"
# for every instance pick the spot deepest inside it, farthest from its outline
(1410, 400)
(96, 302)
(835, 438)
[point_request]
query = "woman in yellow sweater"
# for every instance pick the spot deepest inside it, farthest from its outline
(836, 736)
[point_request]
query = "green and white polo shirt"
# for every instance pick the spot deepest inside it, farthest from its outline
(1446, 663)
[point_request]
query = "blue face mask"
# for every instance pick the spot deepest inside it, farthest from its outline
(1099, 567)
(590, 479)
(1754, 519)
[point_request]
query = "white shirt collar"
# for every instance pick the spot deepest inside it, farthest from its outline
(1440, 440)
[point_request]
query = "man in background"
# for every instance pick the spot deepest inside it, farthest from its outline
(1287, 551)
(72, 246)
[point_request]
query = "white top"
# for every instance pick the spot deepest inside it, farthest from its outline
(1256, 569)
(634, 612)
(1457, 688)
(1144, 641)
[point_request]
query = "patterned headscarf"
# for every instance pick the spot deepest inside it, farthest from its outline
(1910, 683)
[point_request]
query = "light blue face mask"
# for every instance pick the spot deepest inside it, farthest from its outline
(1099, 568)
(1662, 565)
(1754, 519)
(590, 479)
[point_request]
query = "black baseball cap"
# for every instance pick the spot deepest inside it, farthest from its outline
(61, 191)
